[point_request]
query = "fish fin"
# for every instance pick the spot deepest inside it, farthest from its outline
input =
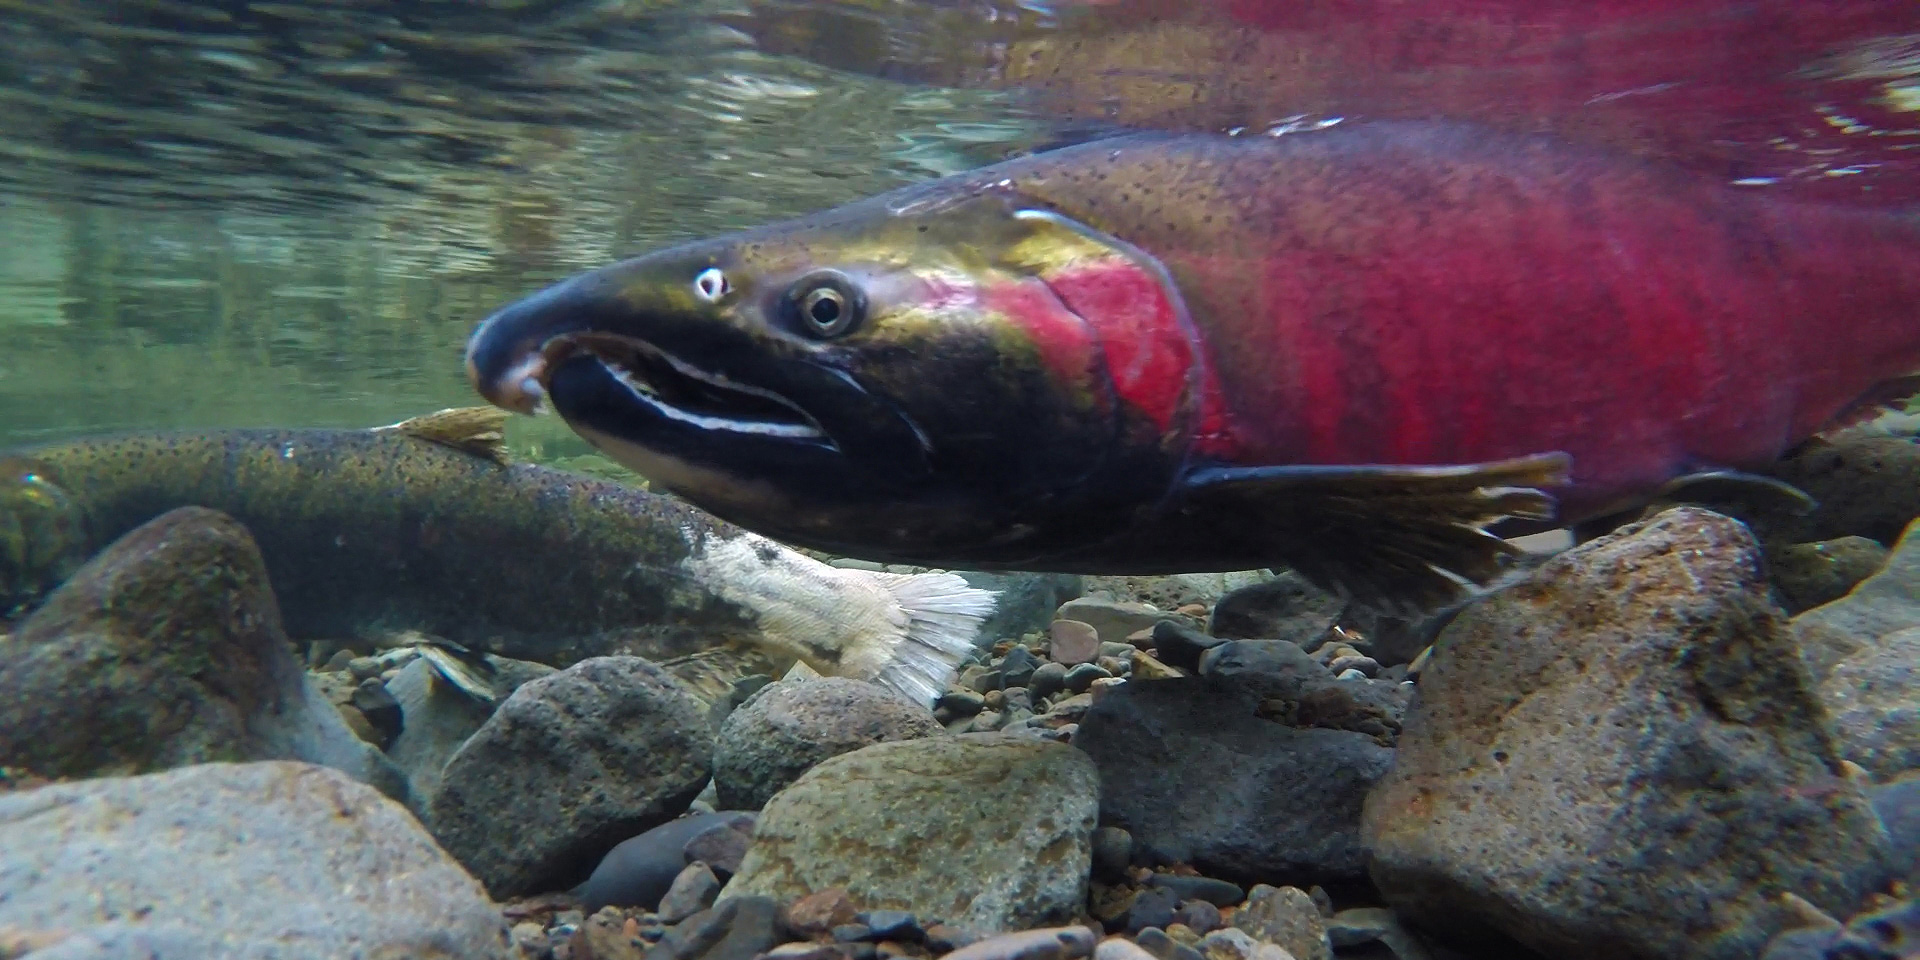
(1879, 399)
(461, 668)
(711, 674)
(944, 615)
(1736, 488)
(1406, 540)
(475, 430)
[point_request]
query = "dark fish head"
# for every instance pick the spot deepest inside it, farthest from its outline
(928, 375)
(43, 533)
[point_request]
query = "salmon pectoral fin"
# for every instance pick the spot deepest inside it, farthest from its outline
(1737, 491)
(1407, 540)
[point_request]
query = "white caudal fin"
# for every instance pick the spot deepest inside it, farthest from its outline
(944, 615)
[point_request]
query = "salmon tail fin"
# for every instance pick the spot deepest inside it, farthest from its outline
(479, 431)
(944, 615)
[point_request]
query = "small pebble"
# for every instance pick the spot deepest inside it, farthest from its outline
(890, 924)
(1081, 678)
(1114, 666)
(1351, 675)
(809, 950)
(1120, 948)
(819, 912)
(1017, 698)
(962, 703)
(338, 662)
(1147, 668)
(692, 891)
(1047, 680)
(1072, 642)
(988, 721)
(1198, 915)
(852, 932)
(1117, 650)
(722, 847)
(1366, 665)
(1156, 942)
(1321, 899)
(1102, 685)
(1228, 944)
(945, 938)
(985, 679)
(530, 939)
(1220, 893)
(1152, 908)
(1045, 943)
(364, 667)
(1181, 933)
(1018, 666)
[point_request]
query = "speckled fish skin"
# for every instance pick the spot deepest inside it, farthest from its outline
(367, 533)
(1061, 356)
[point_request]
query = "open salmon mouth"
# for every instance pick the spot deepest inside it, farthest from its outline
(677, 390)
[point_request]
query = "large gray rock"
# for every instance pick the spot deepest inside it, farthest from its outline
(1885, 603)
(166, 650)
(259, 861)
(437, 718)
(787, 727)
(568, 766)
(1874, 698)
(987, 831)
(1623, 757)
(1189, 770)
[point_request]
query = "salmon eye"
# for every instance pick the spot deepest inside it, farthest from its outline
(711, 284)
(826, 304)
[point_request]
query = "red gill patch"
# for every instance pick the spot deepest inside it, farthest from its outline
(1138, 328)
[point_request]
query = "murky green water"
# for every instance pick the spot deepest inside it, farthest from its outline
(293, 214)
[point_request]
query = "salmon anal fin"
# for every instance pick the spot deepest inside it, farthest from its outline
(1407, 540)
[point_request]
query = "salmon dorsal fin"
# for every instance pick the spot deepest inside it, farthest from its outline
(479, 431)
(1405, 540)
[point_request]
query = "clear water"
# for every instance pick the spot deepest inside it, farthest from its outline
(292, 214)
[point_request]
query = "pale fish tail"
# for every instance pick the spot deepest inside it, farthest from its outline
(906, 632)
(944, 614)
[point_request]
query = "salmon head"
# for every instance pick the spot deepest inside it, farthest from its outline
(950, 374)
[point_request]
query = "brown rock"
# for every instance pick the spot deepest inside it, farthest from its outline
(1635, 702)
(1286, 916)
(817, 913)
(1045, 943)
(1072, 642)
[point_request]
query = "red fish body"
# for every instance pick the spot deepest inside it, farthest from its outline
(1417, 295)
(1346, 350)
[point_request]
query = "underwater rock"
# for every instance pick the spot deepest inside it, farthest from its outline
(568, 766)
(436, 718)
(988, 832)
(166, 650)
(1286, 916)
(786, 728)
(1866, 482)
(1195, 777)
(1810, 574)
(1113, 620)
(1889, 933)
(1634, 702)
(640, 870)
(735, 928)
(1026, 601)
(1873, 697)
(1297, 690)
(1284, 608)
(1897, 802)
(270, 859)
(1886, 602)
(1175, 590)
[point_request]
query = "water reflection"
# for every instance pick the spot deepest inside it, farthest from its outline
(228, 214)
